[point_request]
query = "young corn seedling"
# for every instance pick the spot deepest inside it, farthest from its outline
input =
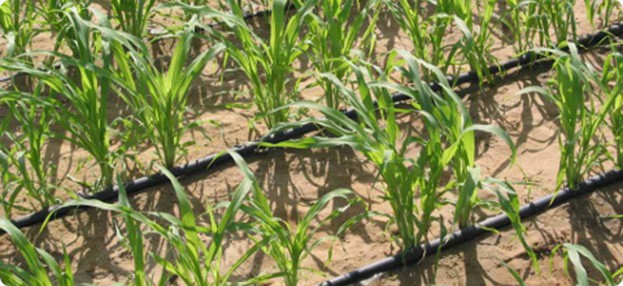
(333, 36)
(84, 115)
(23, 162)
(56, 20)
(268, 63)
(573, 253)
(612, 81)
(288, 245)
(579, 121)
(134, 239)
(39, 263)
(456, 146)
(603, 9)
(509, 203)
(378, 137)
(426, 33)
(192, 260)
(133, 15)
(476, 44)
(5, 176)
(522, 21)
(559, 17)
(158, 98)
(189, 246)
(456, 130)
(17, 24)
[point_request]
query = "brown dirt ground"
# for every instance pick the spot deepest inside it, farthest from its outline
(293, 179)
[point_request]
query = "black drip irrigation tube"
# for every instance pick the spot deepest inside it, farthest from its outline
(11, 77)
(253, 148)
(498, 222)
(530, 57)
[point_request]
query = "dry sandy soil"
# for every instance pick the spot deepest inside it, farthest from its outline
(293, 179)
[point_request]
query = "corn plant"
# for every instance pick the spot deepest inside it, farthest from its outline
(196, 263)
(509, 203)
(287, 245)
(532, 22)
(133, 15)
(5, 176)
(521, 19)
(134, 239)
(426, 33)
(23, 162)
(457, 130)
(161, 110)
(612, 81)
(84, 116)
(579, 121)
(559, 17)
(333, 36)
(268, 63)
(573, 253)
(603, 9)
(475, 46)
(432, 154)
(39, 263)
(58, 20)
(191, 260)
(378, 137)
(17, 24)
